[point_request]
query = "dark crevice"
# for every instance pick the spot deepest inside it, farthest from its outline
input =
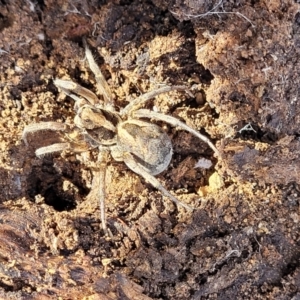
(48, 183)
(6, 21)
(248, 130)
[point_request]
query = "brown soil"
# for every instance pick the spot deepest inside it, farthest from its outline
(241, 61)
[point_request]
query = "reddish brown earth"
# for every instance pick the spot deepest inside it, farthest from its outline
(241, 61)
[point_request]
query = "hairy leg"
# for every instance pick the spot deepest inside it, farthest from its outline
(58, 147)
(146, 113)
(102, 159)
(141, 100)
(135, 167)
(32, 128)
(69, 87)
(98, 187)
(101, 82)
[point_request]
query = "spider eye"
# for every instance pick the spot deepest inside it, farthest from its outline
(87, 120)
(88, 123)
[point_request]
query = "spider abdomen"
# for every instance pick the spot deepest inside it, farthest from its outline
(148, 143)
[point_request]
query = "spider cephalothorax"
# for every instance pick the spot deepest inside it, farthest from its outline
(143, 146)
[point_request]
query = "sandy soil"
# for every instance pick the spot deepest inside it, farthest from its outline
(240, 59)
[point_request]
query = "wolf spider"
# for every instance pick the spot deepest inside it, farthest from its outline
(144, 147)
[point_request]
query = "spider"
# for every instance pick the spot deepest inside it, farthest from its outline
(143, 146)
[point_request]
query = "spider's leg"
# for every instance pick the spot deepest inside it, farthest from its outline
(141, 100)
(55, 126)
(57, 147)
(101, 82)
(98, 187)
(146, 113)
(102, 157)
(135, 167)
(69, 87)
